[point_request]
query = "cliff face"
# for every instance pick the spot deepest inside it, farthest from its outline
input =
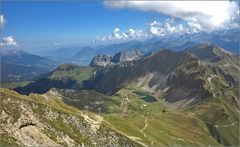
(101, 61)
(125, 56)
(119, 58)
(26, 122)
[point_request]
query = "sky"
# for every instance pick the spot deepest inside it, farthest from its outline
(45, 25)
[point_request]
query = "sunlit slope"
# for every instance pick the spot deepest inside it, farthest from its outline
(43, 120)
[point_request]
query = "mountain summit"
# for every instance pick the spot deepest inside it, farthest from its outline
(102, 60)
(208, 52)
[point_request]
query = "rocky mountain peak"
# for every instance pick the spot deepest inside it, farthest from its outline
(102, 60)
(124, 56)
(208, 52)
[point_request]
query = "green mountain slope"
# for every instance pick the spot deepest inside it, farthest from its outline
(135, 114)
(65, 76)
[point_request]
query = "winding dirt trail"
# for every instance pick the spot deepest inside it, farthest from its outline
(145, 126)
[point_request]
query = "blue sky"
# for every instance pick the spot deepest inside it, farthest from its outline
(48, 25)
(76, 22)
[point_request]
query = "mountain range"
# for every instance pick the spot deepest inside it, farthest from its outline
(227, 39)
(161, 98)
(18, 65)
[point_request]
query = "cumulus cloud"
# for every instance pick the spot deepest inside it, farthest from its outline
(2, 21)
(9, 42)
(156, 28)
(117, 34)
(207, 15)
(153, 29)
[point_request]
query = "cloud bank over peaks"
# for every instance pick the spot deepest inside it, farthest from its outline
(156, 28)
(207, 15)
(117, 34)
(152, 29)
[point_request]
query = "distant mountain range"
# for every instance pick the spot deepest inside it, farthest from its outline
(227, 39)
(20, 62)
(18, 65)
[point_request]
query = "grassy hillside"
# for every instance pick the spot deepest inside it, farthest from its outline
(146, 119)
(75, 72)
(157, 125)
(66, 76)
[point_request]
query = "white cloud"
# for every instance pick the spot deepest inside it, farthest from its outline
(2, 21)
(156, 28)
(195, 27)
(133, 33)
(9, 42)
(153, 29)
(117, 34)
(60, 43)
(169, 27)
(209, 15)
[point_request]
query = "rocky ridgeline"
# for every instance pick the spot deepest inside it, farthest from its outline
(102, 60)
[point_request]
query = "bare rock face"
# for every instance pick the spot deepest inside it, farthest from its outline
(119, 58)
(124, 56)
(101, 61)
(27, 130)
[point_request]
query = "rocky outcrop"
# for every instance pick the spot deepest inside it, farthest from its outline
(124, 56)
(101, 61)
(119, 58)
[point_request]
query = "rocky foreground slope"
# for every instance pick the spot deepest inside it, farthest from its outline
(39, 120)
